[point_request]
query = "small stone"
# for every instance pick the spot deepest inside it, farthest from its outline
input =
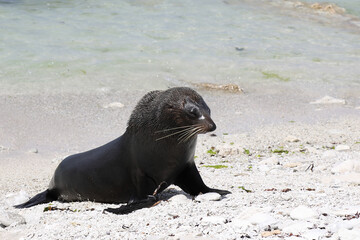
(262, 219)
(346, 166)
(297, 228)
(114, 105)
(351, 177)
(329, 100)
(212, 196)
(180, 198)
(229, 151)
(303, 213)
(33, 150)
(214, 219)
(286, 197)
(270, 161)
(329, 154)
(270, 233)
(292, 139)
(292, 165)
(342, 148)
(9, 218)
(315, 234)
(16, 198)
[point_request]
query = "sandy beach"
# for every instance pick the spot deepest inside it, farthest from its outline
(293, 169)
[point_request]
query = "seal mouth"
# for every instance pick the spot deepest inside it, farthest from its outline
(185, 133)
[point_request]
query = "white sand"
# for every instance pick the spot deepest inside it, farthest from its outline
(319, 194)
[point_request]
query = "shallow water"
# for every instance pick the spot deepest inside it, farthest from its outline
(82, 46)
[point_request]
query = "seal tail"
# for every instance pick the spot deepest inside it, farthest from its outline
(43, 197)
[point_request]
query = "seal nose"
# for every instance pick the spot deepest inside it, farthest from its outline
(211, 126)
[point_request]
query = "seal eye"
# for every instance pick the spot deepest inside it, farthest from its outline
(194, 112)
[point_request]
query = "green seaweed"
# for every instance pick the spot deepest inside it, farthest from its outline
(232, 143)
(216, 166)
(268, 75)
(280, 151)
(211, 152)
(246, 190)
(247, 151)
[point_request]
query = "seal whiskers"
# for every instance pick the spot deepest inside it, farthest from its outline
(187, 135)
(188, 128)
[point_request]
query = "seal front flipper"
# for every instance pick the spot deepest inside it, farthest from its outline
(134, 205)
(190, 181)
(43, 197)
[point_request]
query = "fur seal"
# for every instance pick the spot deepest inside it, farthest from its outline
(156, 150)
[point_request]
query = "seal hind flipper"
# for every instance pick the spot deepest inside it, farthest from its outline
(43, 197)
(191, 182)
(134, 205)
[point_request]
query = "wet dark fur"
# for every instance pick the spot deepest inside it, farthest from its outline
(156, 150)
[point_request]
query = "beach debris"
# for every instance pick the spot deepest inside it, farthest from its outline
(270, 233)
(329, 100)
(212, 151)
(303, 213)
(233, 88)
(207, 197)
(114, 105)
(246, 190)
(10, 219)
(280, 151)
(328, 8)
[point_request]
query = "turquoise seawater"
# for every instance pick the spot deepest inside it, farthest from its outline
(81, 46)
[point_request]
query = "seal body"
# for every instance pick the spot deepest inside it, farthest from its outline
(156, 150)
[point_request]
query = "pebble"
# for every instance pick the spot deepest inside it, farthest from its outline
(291, 138)
(180, 198)
(114, 105)
(303, 213)
(297, 228)
(9, 218)
(292, 165)
(347, 166)
(262, 219)
(270, 161)
(329, 100)
(229, 151)
(33, 150)
(212, 196)
(351, 177)
(315, 234)
(214, 219)
(342, 148)
(329, 154)
(16, 198)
